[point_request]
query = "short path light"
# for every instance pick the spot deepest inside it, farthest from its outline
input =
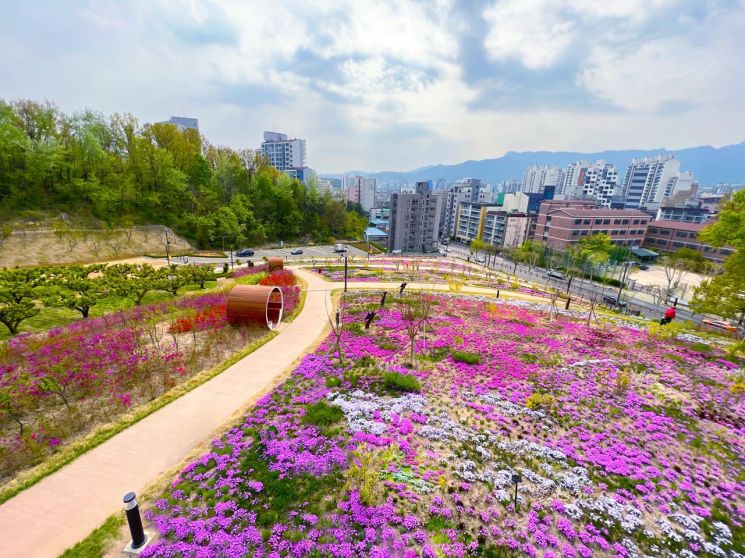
(135, 523)
(516, 479)
(403, 286)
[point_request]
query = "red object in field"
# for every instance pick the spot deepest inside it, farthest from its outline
(670, 313)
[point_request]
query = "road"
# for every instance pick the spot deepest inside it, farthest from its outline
(579, 287)
(321, 251)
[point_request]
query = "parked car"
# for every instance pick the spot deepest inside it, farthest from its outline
(245, 252)
(611, 301)
(643, 267)
(444, 241)
(553, 274)
(480, 259)
(340, 248)
(718, 325)
(296, 251)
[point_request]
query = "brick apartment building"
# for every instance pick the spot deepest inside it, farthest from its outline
(562, 223)
(668, 236)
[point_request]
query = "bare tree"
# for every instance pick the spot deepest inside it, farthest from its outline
(416, 309)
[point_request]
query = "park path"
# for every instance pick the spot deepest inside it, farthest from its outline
(63, 508)
(49, 517)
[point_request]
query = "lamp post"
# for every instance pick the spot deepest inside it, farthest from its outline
(346, 272)
(516, 479)
(168, 249)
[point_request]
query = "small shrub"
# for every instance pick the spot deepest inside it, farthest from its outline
(543, 401)
(465, 356)
(401, 382)
(322, 414)
(333, 381)
(365, 362)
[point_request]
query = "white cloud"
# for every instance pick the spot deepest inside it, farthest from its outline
(700, 70)
(534, 31)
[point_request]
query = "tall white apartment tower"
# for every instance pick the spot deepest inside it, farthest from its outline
(283, 153)
(651, 179)
(584, 179)
(537, 177)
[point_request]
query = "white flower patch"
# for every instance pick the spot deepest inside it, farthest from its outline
(507, 408)
(575, 480)
(723, 535)
(628, 517)
(668, 530)
(502, 495)
(359, 409)
(714, 550)
(544, 486)
(690, 522)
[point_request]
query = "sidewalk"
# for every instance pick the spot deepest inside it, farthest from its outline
(66, 506)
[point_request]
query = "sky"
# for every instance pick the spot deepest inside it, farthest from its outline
(378, 85)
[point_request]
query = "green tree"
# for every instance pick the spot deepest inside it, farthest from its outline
(18, 296)
(729, 228)
(78, 287)
(595, 250)
(723, 295)
(132, 281)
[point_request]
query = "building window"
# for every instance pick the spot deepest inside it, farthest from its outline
(625, 222)
(598, 221)
(575, 232)
(616, 221)
(635, 222)
(586, 221)
(606, 221)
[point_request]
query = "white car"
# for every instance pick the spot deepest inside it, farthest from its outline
(480, 259)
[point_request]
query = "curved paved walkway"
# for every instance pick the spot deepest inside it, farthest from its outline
(49, 517)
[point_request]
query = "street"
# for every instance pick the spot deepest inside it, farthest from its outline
(579, 287)
(320, 251)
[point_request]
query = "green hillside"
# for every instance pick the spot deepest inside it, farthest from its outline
(117, 171)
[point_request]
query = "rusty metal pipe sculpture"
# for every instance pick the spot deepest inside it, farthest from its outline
(275, 263)
(255, 304)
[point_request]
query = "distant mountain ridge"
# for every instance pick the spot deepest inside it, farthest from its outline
(708, 164)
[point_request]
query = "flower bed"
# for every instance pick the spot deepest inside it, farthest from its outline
(627, 445)
(57, 386)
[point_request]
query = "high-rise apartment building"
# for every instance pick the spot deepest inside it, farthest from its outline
(183, 123)
(464, 190)
(597, 180)
(650, 180)
(416, 218)
(286, 155)
(537, 177)
(360, 190)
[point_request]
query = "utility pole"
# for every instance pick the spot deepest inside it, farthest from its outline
(624, 272)
(168, 249)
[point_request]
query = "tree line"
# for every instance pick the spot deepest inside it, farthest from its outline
(23, 291)
(117, 171)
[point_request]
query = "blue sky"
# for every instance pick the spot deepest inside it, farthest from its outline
(379, 85)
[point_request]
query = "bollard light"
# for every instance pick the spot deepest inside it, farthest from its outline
(403, 286)
(497, 293)
(134, 520)
(569, 299)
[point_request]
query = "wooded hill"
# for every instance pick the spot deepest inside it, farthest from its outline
(117, 171)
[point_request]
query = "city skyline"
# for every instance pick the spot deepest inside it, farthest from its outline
(395, 85)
